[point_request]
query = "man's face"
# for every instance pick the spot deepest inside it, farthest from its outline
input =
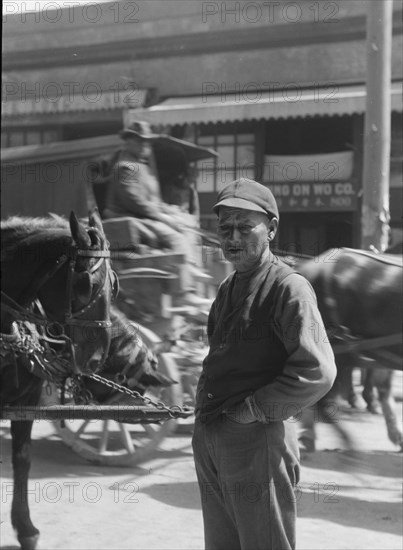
(138, 147)
(244, 235)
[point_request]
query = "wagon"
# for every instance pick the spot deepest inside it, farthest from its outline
(149, 296)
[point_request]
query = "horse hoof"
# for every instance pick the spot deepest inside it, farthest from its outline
(374, 409)
(353, 402)
(28, 543)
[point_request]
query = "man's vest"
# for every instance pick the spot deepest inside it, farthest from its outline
(245, 351)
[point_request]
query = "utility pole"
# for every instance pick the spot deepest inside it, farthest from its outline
(377, 127)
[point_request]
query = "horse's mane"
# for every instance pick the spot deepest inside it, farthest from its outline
(124, 334)
(17, 228)
(28, 224)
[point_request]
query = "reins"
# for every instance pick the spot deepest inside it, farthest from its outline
(22, 312)
(38, 347)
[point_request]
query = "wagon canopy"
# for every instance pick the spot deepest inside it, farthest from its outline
(166, 145)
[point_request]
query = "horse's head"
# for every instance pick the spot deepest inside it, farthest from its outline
(79, 294)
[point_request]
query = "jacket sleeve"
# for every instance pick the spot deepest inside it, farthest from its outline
(129, 191)
(211, 323)
(310, 369)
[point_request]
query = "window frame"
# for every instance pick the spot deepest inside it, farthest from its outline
(215, 131)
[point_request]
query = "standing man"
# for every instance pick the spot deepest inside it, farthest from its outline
(268, 359)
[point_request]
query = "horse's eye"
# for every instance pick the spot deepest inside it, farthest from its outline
(115, 285)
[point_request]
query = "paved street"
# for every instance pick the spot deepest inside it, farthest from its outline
(346, 500)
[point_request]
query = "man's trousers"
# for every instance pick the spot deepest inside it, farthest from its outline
(247, 474)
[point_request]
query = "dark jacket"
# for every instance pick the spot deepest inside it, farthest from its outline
(134, 189)
(265, 347)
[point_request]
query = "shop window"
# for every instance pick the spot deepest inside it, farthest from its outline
(236, 158)
(49, 136)
(33, 138)
(308, 150)
(15, 139)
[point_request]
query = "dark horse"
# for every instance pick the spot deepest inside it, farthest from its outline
(130, 363)
(57, 286)
(360, 298)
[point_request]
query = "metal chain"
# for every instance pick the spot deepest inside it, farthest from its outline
(81, 395)
(174, 411)
(25, 345)
(53, 367)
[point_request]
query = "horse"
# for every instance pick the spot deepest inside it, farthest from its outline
(130, 363)
(57, 287)
(359, 296)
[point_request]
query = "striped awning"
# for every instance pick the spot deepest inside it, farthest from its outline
(254, 104)
(96, 100)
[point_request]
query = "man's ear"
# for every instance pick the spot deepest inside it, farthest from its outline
(273, 226)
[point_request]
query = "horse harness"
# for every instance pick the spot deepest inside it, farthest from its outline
(26, 339)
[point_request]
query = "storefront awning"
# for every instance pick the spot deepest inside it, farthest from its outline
(255, 104)
(93, 100)
(164, 146)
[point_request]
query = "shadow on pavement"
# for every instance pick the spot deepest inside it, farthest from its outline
(51, 457)
(354, 512)
(379, 463)
(180, 495)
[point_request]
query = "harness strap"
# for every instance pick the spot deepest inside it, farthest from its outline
(19, 312)
(70, 317)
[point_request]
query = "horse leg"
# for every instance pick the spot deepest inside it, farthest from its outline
(27, 533)
(383, 381)
(344, 379)
(306, 431)
(368, 392)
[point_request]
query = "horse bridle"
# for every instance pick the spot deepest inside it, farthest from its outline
(71, 318)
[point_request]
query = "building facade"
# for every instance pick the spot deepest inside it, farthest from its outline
(277, 88)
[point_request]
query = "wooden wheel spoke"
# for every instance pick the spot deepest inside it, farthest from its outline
(103, 440)
(127, 439)
(150, 429)
(81, 429)
(114, 443)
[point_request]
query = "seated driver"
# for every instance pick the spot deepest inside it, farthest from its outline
(134, 191)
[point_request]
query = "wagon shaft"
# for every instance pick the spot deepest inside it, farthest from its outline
(362, 345)
(124, 414)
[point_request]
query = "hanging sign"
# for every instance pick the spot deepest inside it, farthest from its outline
(315, 196)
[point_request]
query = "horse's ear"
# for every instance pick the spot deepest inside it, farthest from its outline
(94, 219)
(78, 231)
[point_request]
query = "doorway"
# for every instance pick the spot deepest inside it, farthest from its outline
(313, 233)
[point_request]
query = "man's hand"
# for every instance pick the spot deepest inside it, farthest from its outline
(241, 413)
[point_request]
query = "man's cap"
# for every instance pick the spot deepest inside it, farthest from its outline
(248, 195)
(140, 129)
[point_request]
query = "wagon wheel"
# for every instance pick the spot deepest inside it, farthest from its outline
(112, 443)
